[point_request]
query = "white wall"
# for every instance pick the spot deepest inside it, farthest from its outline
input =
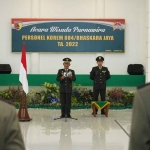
(148, 41)
(133, 11)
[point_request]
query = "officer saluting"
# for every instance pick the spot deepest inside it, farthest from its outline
(99, 75)
(66, 76)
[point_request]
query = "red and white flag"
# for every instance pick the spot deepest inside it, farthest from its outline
(23, 70)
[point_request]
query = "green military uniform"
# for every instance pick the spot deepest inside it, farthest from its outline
(11, 138)
(140, 128)
(99, 77)
(65, 89)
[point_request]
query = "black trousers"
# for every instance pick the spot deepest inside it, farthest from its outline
(65, 99)
(102, 93)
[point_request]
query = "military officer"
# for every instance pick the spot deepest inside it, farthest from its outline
(99, 75)
(65, 76)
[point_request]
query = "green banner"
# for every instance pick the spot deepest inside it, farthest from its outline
(68, 35)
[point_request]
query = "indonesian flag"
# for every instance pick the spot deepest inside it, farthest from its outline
(23, 70)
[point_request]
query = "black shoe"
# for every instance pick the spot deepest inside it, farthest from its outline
(62, 116)
(68, 116)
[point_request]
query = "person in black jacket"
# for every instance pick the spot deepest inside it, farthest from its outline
(140, 126)
(99, 75)
(11, 137)
(65, 76)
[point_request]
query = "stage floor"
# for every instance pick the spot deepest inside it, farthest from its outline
(86, 133)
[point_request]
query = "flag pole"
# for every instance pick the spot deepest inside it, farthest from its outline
(23, 112)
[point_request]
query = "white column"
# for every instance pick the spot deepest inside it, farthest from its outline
(100, 13)
(100, 9)
(35, 62)
(35, 8)
(147, 70)
(35, 57)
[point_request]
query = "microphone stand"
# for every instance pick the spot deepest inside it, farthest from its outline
(66, 103)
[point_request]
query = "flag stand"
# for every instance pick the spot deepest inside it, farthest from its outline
(23, 112)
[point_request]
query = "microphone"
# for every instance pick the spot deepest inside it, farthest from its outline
(66, 72)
